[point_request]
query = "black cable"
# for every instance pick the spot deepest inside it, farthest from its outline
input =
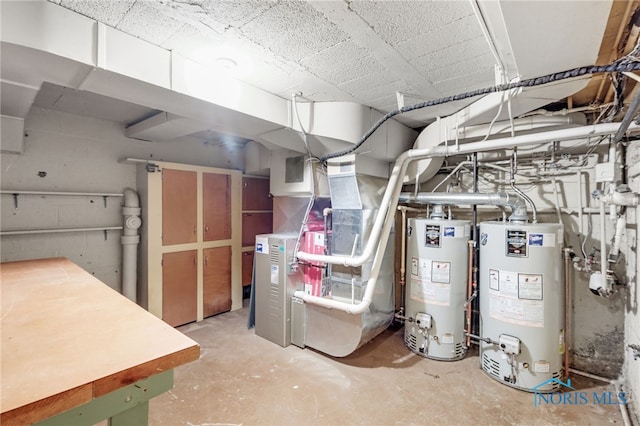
(621, 65)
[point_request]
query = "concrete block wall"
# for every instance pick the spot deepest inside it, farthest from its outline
(81, 154)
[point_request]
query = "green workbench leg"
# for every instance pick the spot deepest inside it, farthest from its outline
(138, 415)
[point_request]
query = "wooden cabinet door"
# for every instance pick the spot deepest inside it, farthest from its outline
(179, 207)
(217, 280)
(255, 194)
(247, 267)
(179, 287)
(255, 224)
(216, 206)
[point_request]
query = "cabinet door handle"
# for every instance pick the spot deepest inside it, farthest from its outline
(195, 229)
(195, 261)
(206, 228)
(206, 260)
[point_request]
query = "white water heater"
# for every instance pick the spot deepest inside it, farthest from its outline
(522, 304)
(437, 270)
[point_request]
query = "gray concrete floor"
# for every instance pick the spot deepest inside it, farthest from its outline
(241, 378)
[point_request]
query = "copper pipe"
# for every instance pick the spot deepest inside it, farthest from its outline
(403, 253)
(469, 290)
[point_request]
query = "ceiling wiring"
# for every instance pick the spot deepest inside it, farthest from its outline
(623, 64)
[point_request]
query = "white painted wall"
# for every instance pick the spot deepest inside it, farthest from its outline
(632, 316)
(81, 154)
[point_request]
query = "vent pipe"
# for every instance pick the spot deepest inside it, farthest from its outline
(514, 202)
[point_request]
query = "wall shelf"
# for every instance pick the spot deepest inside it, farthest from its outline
(16, 194)
(61, 230)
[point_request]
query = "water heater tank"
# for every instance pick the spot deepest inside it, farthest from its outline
(437, 265)
(522, 304)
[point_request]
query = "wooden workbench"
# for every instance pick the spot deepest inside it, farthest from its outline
(69, 341)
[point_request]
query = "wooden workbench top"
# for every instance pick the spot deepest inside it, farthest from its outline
(68, 338)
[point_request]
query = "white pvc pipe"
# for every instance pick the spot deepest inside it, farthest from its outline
(580, 202)
(386, 214)
(622, 198)
(130, 240)
(621, 224)
(603, 245)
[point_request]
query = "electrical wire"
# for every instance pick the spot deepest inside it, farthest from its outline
(304, 132)
(622, 64)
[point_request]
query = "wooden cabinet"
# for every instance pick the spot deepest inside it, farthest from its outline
(217, 280)
(255, 224)
(247, 267)
(191, 241)
(216, 206)
(257, 218)
(179, 287)
(179, 207)
(255, 194)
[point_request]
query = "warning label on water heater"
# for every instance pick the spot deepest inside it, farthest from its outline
(430, 281)
(516, 298)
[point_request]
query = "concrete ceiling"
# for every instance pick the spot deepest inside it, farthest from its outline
(368, 52)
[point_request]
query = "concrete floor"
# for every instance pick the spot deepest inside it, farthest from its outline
(241, 378)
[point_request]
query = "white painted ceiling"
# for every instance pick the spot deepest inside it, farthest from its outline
(375, 53)
(361, 51)
(371, 52)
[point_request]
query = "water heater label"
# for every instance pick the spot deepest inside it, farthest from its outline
(541, 367)
(448, 338)
(517, 298)
(414, 266)
(516, 243)
(542, 240)
(262, 245)
(536, 239)
(275, 272)
(441, 272)
(456, 231)
(430, 282)
(530, 286)
(494, 279)
(432, 236)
